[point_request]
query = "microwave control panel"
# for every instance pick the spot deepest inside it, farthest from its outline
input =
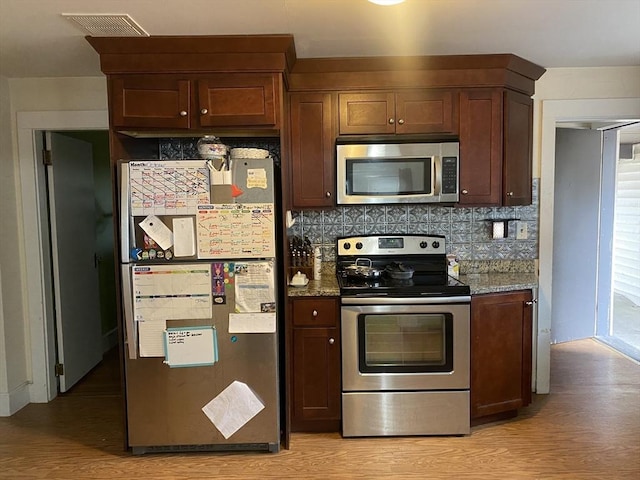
(449, 175)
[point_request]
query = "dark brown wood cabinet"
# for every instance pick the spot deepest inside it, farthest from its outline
(315, 365)
(495, 147)
(194, 101)
(312, 150)
(401, 112)
(501, 343)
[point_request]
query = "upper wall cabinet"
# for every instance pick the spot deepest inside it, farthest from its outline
(230, 83)
(402, 112)
(195, 102)
(495, 147)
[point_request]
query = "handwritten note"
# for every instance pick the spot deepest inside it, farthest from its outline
(191, 347)
(236, 230)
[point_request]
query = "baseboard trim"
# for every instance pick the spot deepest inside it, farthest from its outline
(13, 401)
(109, 340)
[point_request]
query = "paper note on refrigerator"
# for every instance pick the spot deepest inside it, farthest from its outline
(236, 230)
(252, 322)
(184, 237)
(157, 231)
(168, 187)
(233, 408)
(169, 292)
(151, 338)
(255, 287)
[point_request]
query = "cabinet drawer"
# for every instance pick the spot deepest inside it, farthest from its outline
(316, 312)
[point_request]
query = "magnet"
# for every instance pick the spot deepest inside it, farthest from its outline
(168, 254)
(136, 253)
(234, 339)
(145, 255)
(152, 254)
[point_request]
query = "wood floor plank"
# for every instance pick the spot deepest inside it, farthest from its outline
(587, 428)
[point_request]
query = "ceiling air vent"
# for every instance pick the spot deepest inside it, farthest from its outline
(106, 24)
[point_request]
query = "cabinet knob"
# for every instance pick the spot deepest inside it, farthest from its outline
(530, 303)
(328, 194)
(204, 111)
(464, 192)
(401, 122)
(183, 113)
(314, 313)
(391, 121)
(331, 341)
(509, 194)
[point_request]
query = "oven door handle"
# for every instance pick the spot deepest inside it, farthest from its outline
(404, 300)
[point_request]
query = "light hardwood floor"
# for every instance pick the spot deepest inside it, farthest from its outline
(587, 428)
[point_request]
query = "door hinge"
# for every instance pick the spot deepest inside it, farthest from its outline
(46, 157)
(59, 369)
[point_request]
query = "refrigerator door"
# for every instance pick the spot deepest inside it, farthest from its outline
(165, 403)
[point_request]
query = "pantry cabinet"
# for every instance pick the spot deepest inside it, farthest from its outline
(195, 101)
(501, 350)
(315, 364)
(496, 129)
(312, 150)
(400, 112)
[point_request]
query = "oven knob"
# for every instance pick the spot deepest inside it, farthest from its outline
(347, 245)
(424, 244)
(359, 245)
(435, 244)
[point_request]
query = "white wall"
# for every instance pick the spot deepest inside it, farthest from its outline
(569, 94)
(17, 315)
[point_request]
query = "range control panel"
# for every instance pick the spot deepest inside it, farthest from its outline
(391, 245)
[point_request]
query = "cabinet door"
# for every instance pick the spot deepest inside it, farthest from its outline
(367, 113)
(238, 99)
(316, 378)
(150, 101)
(481, 147)
(426, 111)
(501, 340)
(312, 157)
(518, 133)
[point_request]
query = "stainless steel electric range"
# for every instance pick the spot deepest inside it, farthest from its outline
(405, 338)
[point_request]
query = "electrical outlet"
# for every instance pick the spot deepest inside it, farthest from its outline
(521, 231)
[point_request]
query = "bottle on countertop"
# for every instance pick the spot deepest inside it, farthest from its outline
(317, 262)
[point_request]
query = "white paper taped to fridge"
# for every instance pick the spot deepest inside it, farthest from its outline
(171, 292)
(252, 322)
(255, 287)
(158, 231)
(233, 408)
(184, 237)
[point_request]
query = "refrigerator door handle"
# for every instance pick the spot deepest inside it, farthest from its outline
(125, 213)
(130, 326)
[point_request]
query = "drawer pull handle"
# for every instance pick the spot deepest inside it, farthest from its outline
(331, 341)
(183, 113)
(464, 192)
(314, 313)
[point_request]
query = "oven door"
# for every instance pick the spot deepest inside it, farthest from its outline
(405, 347)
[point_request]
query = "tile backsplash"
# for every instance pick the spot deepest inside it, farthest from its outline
(467, 231)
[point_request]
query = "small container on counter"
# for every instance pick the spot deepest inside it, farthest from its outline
(453, 267)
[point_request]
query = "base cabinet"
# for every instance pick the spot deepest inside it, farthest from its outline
(315, 366)
(501, 340)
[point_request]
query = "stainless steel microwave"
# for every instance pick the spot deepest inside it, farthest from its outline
(388, 173)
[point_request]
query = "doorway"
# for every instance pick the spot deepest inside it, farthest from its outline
(41, 327)
(80, 220)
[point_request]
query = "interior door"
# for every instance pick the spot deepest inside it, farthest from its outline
(576, 220)
(73, 245)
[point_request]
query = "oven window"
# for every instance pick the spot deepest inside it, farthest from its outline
(405, 343)
(389, 176)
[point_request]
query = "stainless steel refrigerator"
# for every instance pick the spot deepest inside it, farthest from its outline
(201, 316)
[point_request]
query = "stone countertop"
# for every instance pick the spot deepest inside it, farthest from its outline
(499, 282)
(327, 285)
